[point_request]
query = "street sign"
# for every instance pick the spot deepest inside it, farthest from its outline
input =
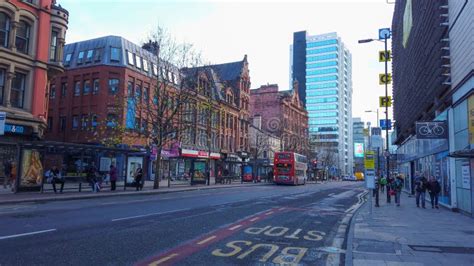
(370, 181)
(369, 161)
(384, 124)
(432, 130)
(385, 101)
(385, 79)
(384, 33)
(385, 57)
(3, 117)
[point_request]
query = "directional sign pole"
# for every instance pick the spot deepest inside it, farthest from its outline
(386, 36)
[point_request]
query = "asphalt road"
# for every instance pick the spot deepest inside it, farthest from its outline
(258, 225)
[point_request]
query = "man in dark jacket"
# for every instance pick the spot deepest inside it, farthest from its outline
(420, 188)
(434, 188)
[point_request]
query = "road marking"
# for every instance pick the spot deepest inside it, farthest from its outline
(268, 213)
(281, 209)
(163, 259)
(235, 227)
(27, 234)
(206, 240)
(254, 219)
(146, 215)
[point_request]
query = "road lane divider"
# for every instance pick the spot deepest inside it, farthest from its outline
(147, 215)
(206, 240)
(27, 234)
(163, 260)
(235, 227)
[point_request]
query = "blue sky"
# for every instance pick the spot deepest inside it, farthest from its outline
(227, 30)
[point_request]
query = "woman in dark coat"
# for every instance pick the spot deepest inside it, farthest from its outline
(434, 188)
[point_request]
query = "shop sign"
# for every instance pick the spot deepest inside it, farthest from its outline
(199, 154)
(432, 130)
(18, 129)
(466, 176)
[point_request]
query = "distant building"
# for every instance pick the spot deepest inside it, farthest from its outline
(322, 65)
(282, 114)
(359, 144)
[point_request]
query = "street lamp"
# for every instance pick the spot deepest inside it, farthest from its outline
(372, 111)
(384, 34)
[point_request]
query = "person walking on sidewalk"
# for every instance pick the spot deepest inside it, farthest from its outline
(138, 178)
(397, 185)
(383, 183)
(420, 188)
(389, 189)
(434, 188)
(113, 177)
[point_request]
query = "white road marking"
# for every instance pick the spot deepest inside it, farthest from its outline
(206, 240)
(146, 215)
(27, 234)
(158, 262)
(268, 213)
(235, 227)
(254, 219)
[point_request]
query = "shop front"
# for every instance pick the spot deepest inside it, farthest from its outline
(195, 165)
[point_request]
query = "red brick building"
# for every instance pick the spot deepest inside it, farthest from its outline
(282, 114)
(32, 36)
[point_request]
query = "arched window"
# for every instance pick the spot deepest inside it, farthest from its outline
(4, 29)
(22, 37)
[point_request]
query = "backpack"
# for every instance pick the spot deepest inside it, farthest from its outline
(383, 181)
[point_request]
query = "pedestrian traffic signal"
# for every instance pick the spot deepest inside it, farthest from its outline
(385, 79)
(385, 101)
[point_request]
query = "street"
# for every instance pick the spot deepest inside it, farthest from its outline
(247, 225)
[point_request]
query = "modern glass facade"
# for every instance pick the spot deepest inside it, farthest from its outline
(327, 84)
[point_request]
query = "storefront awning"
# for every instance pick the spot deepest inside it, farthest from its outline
(467, 153)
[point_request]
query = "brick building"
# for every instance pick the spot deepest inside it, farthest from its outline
(283, 115)
(32, 36)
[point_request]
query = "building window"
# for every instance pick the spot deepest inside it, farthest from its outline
(4, 29)
(114, 54)
(138, 93)
(22, 37)
(97, 55)
(80, 57)
(84, 122)
(50, 123)
(77, 88)
(89, 55)
(63, 89)
(52, 91)
(2, 85)
(87, 87)
(54, 47)
(62, 124)
(67, 60)
(96, 86)
(75, 122)
(145, 65)
(94, 122)
(146, 95)
(18, 90)
(111, 120)
(130, 58)
(130, 89)
(113, 86)
(138, 62)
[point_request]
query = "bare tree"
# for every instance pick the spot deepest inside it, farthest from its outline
(165, 113)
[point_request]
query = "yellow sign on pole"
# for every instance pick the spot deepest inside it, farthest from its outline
(385, 57)
(369, 160)
(385, 79)
(385, 101)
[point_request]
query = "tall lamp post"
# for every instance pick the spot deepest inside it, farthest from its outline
(384, 35)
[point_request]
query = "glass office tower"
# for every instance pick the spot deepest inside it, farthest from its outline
(322, 65)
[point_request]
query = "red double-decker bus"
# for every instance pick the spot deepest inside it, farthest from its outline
(290, 168)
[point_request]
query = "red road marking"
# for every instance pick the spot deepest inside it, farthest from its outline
(180, 252)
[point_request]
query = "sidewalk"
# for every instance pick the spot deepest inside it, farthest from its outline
(7, 197)
(408, 235)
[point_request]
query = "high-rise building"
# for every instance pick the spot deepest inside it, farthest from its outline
(358, 139)
(322, 66)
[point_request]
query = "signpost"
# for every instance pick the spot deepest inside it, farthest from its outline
(385, 79)
(385, 101)
(432, 130)
(369, 163)
(384, 124)
(384, 57)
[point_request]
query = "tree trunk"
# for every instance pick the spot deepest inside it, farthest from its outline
(156, 183)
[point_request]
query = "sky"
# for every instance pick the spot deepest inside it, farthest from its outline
(225, 30)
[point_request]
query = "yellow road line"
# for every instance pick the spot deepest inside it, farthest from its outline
(206, 240)
(235, 227)
(163, 259)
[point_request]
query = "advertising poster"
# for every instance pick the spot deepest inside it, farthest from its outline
(133, 164)
(359, 150)
(31, 169)
(199, 172)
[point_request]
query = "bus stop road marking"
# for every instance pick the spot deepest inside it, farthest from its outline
(188, 248)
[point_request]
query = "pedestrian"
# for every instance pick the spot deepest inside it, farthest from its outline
(397, 185)
(56, 177)
(113, 177)
(434, 188)
(138, 178)
(389, 189)
(7, 172)
(92, 178)
(383, 183)
(420, 188)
